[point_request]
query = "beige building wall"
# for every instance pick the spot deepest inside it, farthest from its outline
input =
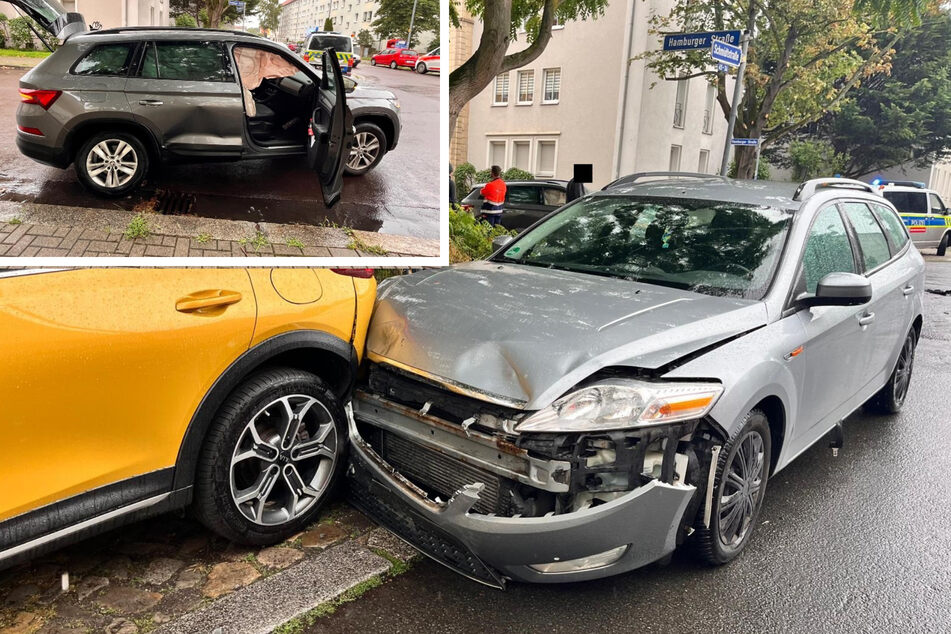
(460, 49)
(594, 119)
(112, 14)
(348, 16)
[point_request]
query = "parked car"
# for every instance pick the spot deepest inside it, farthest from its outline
(428, 62)
(114, 102)
(395, 57)
(377, 127)
(356, 60)
(629, 373)
(218, 389)
(317, 43)
(526, 202)
(923, 211)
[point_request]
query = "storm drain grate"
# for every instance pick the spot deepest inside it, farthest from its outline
(174, 203)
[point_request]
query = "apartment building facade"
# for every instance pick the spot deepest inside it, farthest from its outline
(348, 16)
(582, 101)
(110, 14)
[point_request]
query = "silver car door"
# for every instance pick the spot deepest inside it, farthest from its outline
(187, 94)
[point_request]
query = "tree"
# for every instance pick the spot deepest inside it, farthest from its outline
(902, 116)
(393, 17)
(501, 22)
(212, 13)
(328, 25)
(270, 12)
(805, 59)
(185, 20)
(365, 39)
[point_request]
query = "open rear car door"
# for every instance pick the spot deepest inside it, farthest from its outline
(51, 15)
(331, 130)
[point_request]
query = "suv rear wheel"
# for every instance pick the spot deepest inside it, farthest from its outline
(273, 456)
(112, 163)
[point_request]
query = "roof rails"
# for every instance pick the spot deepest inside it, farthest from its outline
(632, 178)
(809, 188)
(189, 29)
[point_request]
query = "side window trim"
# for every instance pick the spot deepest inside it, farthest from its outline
(853, 236)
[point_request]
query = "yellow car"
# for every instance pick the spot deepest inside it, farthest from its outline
(128, 393)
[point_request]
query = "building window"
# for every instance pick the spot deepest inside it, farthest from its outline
(704, 163)
(680, 104)
(545, 156)
(521, 155)
(708, 110)
(675, 158)
(501, 90)
(497, 153)
(526, 86)
(552, 85)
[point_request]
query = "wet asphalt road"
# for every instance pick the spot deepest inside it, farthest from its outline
(400, 196)
(857, 543)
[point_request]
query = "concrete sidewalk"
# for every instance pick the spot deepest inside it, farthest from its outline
(37, 230)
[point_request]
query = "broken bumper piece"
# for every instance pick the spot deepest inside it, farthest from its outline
(633, 530)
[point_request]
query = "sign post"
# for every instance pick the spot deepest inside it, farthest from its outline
(737, 94)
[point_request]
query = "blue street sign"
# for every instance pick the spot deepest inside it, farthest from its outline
(737, 141)
(722, 68)
(238, 4)
(692, 41)
(726, 53)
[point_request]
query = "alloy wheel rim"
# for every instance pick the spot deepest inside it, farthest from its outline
(903, 371)
(366, 147)
(740, 492)
(284, 460)
(112, 163)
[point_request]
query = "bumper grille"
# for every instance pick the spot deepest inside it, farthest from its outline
(443, 475)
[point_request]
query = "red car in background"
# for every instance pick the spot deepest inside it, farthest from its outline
(394, 57)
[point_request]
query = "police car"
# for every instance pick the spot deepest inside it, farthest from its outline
(924, 213)
(319, 41)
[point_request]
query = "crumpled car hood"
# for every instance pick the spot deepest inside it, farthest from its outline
(523, 336)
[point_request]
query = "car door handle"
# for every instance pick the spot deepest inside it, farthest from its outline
(150, 102)
(866, 319)
(908, 290)
(207, 299)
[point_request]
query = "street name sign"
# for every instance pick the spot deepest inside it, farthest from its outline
(726, 53)
(694, 41)
(737, 141)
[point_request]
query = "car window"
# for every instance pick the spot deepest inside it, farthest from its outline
(936, 205)
(908, 202)
(411, 53)
(871, 239)
(554, 196)
(827, 250)
(187, 61)
(320, 42)
(519, 194)
(894, 227)
(710, 247)
(107, 59)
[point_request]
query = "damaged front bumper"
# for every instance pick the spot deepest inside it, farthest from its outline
(634, 529)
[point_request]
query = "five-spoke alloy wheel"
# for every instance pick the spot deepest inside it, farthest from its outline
(272, 457)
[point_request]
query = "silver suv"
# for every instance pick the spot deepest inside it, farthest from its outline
(112, 102)
(628, 373)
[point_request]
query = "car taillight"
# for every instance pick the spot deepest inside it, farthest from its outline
(361, 273)
(42, 98)
(306, 57)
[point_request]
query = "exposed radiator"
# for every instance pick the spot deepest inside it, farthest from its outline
(439, 474)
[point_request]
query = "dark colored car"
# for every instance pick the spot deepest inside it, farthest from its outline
(395, 57)
(526, 202)
(114, 102)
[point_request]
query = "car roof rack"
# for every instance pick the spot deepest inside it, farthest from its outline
(188, 29)
(633, 178)
(808, 188)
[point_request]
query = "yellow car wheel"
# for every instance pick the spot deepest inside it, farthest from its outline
(272, 457)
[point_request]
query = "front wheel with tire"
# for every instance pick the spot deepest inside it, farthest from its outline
(943, 246)
(421, 68)
(372, 62)
(112, 163)
(393, 65)
(369, 146)
(272, 457)
(738, 490)
(891, 397)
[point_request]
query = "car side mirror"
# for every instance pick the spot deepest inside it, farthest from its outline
(349, 84)
(839, 289)
(500, 241)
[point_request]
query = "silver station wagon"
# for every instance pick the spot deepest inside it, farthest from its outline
(626, 375)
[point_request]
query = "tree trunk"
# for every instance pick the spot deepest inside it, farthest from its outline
(745, 161)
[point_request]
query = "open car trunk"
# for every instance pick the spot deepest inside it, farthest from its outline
(52, 17)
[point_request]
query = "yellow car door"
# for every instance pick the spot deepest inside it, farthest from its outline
(102, 370)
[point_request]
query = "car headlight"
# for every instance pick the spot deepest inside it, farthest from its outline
(624, 404)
